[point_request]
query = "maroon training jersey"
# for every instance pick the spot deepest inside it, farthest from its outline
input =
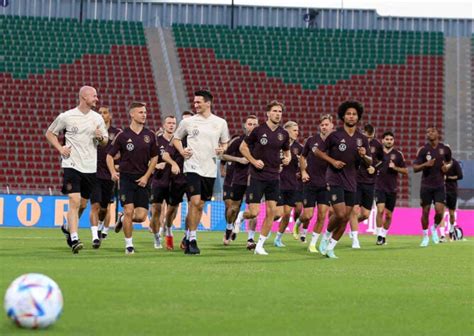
(136, 150)
(455, 170)
(102, 170)
(316, 167)
(433, 177)
(290, 177)
(241, 171)
(161, 177)
(376, 151)
(387, 178)
(266, 145)
(178, 158)
(340, 146)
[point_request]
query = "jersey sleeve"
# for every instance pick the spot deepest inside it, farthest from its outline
(306, 148)
(57, 125)
(286, 144)
(420, 157)
(153, 147)
(181, 131)
(116, 145)
(251, 139)
(224, 137)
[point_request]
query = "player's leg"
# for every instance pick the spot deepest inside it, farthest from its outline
(94, 220)
(73, 219)
(127, 222)
(285, 219)
(155, 223)
(380, 221)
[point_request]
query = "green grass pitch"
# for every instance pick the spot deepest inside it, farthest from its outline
(397, 289)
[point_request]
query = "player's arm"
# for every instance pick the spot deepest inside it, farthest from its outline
(286, 157)
(419, 165)
(53, 140)
(323, 156)
(245, 150)
(174, 166)
(303, 167)
(142, 181)
(111, 166)
(401, 170)
(184, 152)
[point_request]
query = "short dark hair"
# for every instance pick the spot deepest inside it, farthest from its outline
(369, 129)
(273, 103)
(169, 116)
(388, 133)
(135, 105)
(251, 116)
(341, 111)
(205, 94)
(190, 113)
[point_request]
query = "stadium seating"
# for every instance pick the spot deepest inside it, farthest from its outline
(45, 62)
(397, 75)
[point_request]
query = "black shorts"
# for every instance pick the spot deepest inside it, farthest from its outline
(387, 198)
(451, 200)
(313, 195)
(131, 192)
(103, 192)
(429, 195)
(257, 189)
(176, 193)
(199, 185)
(238, 192)
(288, 197)
(160, 194)
(365, 195)
(227, 192)
(340, 195)
(76, 182)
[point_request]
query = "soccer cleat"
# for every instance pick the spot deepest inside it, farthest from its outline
(157, 243)
(182, 245)
(303, 239)
(129, 250)
(384, 242)
(193, 247)
(379, 240)
(278, 243)
(103, 236)
(434, 235)
(260, 251)
(296, 231)
(99, 234)
(312, 248)
(67, 235)
(76, 246)
(251, 244)
(233, 236)
(186, 245)
(355, 244)
(425, 241)
(442, 239)
(118, 223)
(323, 245)
(227, 235)
(169, 243)
(330, 254)
(96, 243)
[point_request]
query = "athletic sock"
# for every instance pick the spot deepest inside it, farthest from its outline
(192, 235)
(425, 232)
(441, 231)
(169, 231)
(279, 235)
(187, 234)
(105, 230)
(229, 226)
(314, 238)
(304, 232)
(378, 231)
(261, 241)
(298, 222)
(354, 234)
(161, 231)
(332, 244)
(101, 225)
(383, 232)
(327, 235)
(157, 236)
(128, 242)
(74, 236)
(251, 235)
(95, 232)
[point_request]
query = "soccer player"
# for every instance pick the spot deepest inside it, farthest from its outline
(290, 184)
(344, 150)
(138, 157)
(262, 148)
(366, 176)
(453, 175)
(239, 180)
(313, 174)
(160, 184)
(84, 131)
(177, 188)
(434, 160)
(103, 192)
(392, 164)
(208, 136)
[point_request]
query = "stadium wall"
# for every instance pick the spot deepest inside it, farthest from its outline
(153, 14)
(51, 211)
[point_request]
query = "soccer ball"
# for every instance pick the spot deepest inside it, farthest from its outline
(33, 301)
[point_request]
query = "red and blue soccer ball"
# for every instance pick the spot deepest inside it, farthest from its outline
(33, 301)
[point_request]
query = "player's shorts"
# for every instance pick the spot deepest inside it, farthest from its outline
(451, 200)
(131, 192)
(365, 195)
(227, 192)
(430, 195)
(76, 182)
(103, 192)
(288, 197)
(199, 185)
(387, 198)
(340, 195)
(176, 193)
(313, 195)
(160, 194)
(238, 192)
(257, 189)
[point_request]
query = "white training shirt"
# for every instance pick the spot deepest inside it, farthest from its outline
(204, 136)
(80, 137)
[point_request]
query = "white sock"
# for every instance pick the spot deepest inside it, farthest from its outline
(314, 238)
(239, 219)
(229, 226)
(192, 235)
(327, 235)
(441, 231)
(383, 232)
(157, 236)
(161, 231)
(128, 242)
(101, 225)
(261, 241)
(451, 227)
(298, 222)
(105, 230)
(95, 232)
(187, 234)
(121, 218)
(74, 236)
(304, 232)
(425, 233)
(251, 234)
(378, 231)
(354, 235)
(278, 237)
(169, 231)
(332, 244)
